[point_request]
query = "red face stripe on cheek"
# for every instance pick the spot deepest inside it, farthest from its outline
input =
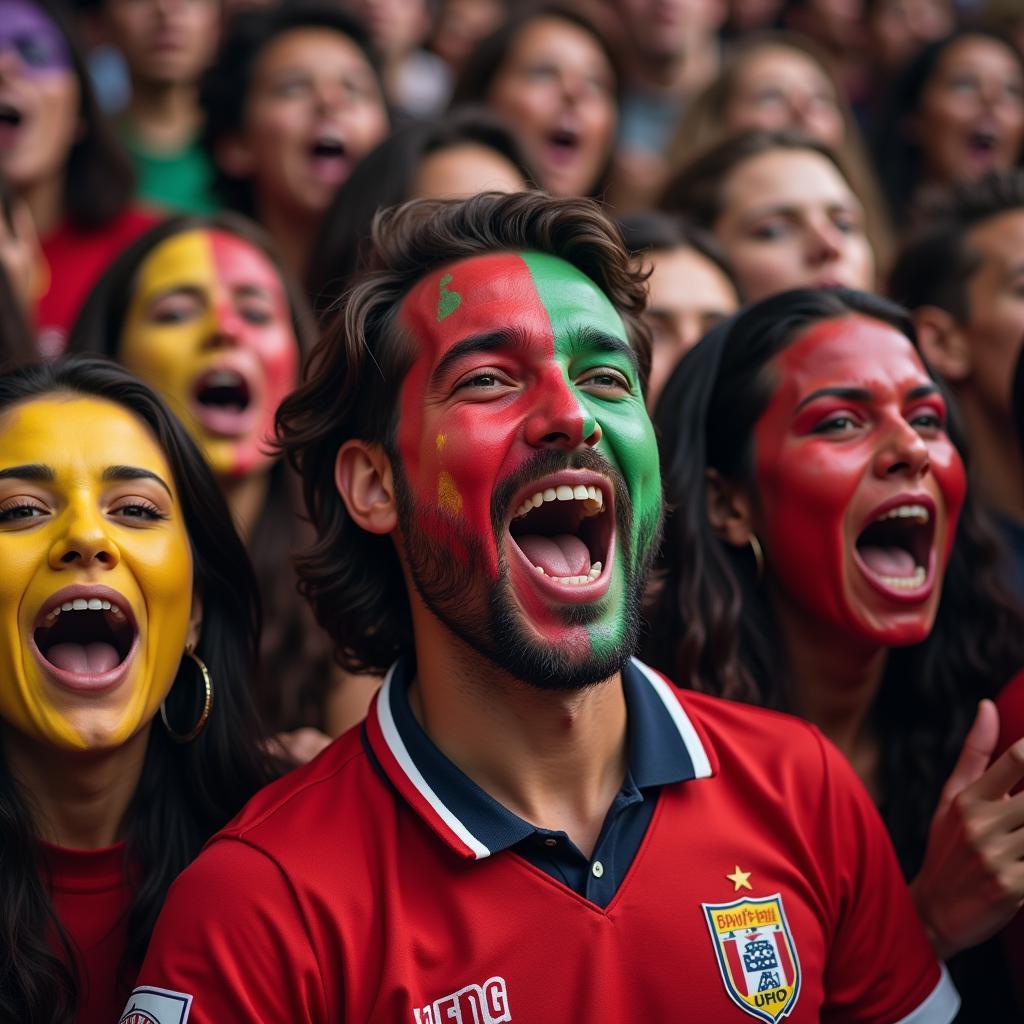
(240, 269)
(456, 451)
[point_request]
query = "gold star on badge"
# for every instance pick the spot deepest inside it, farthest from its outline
(740, 879)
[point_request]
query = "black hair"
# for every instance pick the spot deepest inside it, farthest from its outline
(711, 625)
(225, 86)
(936, 262)
(186, 791)
(647, 231)
(385, 177)
(897, 155)
(99, 180)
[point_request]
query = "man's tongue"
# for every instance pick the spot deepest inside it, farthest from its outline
(562, 555)
(891, 561)
(91, 658)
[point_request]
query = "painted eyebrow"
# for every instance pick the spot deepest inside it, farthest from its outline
(133, 473)
(592, 338)
(477, 343)
(863, 395)
(34, 471)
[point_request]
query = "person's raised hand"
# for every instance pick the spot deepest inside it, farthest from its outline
(972, 881)
(20, 253)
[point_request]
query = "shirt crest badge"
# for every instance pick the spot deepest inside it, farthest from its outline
(756, 955)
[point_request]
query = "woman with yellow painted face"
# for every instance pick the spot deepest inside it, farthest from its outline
(201, 310)
(125, 595)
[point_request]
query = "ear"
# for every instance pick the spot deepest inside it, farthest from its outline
(363, 476)
(195, 621)
(234, 157)
(943, 343)
(730, 511)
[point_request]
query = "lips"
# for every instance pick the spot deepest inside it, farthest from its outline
(895, 550)
(12, 118)
(561, 537)
(224, 399)
(85, 637)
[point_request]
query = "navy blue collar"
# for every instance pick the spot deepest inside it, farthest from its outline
(663, 748)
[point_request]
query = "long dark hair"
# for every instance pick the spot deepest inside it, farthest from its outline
(186, 791)
(99, 180)
(386, 177)
(711, 626)
(295, 669)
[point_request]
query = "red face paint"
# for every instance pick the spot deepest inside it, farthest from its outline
(252, 310)
(503, 376)
(859, 485)
(209, 327)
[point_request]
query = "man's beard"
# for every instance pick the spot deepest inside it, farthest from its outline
(448, 565)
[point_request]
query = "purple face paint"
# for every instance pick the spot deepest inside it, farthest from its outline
(28, 32)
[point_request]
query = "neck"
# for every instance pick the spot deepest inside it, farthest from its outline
(78, 799)
(293, 235)
(835, 680)
(246, 496)
(997, 462)
(555, 759)
(163, 115)
(45, 200)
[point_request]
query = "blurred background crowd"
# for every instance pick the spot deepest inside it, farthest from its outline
(188, 187)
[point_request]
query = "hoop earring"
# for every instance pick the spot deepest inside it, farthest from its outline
(755, 547)
(196, 729)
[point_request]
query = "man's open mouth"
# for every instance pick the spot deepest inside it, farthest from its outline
(565, 530)
(895, 549)
(86, 636)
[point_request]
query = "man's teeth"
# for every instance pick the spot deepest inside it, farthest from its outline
(81, 604)
(907, 582)
(595, 571)
(918, 512)
(592, 498)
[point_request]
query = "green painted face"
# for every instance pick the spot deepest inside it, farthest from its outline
(529, 459)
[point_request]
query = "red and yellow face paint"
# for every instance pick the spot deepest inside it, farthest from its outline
(522, 427)
(209, 328)
(859, 484)
(96, 589)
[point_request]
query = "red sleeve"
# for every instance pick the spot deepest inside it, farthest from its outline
(882, 968)
(1011, 713)
(231, 944)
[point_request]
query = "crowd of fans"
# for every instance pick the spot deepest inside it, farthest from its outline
(189, 187)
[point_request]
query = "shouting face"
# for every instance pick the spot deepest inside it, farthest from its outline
(529, 489)
(96, 589)
(859, 484)
(209, 328)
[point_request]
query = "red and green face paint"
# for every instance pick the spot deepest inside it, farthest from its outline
(522, 431)
(209, 327)
(859, 484)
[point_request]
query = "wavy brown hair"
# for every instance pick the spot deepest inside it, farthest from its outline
(350, 388)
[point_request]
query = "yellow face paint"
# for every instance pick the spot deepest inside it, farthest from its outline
(209, 327)
(88, 513)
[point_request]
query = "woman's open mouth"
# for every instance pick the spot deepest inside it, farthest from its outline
(896, 549)
(563, 532)
(223, 401)
(85, 637)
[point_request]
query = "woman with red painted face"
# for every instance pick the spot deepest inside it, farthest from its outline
(823, 557)
(201, 309)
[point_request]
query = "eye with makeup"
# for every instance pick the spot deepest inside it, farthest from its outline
(928, 420)
(21, 510)
(482, 384)
(137, 511)
(176, 307)
(839, 423)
